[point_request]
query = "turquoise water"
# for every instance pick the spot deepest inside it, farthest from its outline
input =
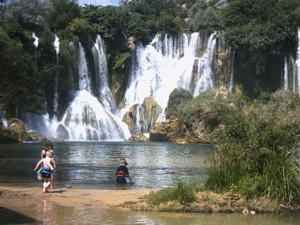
(94, 164)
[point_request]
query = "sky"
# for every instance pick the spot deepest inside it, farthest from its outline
(99, 2)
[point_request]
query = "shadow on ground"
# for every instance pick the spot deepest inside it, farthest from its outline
(9, 216)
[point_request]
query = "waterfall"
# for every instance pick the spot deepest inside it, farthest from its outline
(204, 68)
(167, 63)
(35, 40)
(87, 119)
(286, 74)
(298, 63)
(3, 120)
(56, 45)
(84, 80)
(104, 91)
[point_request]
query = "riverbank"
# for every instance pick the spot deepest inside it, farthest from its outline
(136, 200)
(73, 196)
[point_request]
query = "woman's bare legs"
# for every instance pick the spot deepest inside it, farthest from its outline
(46, 185)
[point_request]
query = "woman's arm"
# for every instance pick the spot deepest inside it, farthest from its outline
(38, 165)
(53, 163)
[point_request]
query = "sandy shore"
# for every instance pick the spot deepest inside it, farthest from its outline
(134, 199)
(73, 196)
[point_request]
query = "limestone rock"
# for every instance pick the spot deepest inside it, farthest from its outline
(141, 118)
(17, 127)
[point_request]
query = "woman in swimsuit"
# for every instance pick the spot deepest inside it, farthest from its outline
(46, 171)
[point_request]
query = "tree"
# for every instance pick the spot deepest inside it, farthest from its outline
(261, 25)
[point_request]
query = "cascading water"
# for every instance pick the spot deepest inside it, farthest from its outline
(298, 62)
(204, 68)
(167, 63)
(291, 71)
(286, 74)
(84, 80)
(104, 91)
(86, 118)
(56, 45)
(3, 120)
(35, 40)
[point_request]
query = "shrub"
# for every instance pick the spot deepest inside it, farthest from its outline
(256, 151)
(182, 193)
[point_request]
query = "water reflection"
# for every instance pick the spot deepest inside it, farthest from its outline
(94, 164)
(44, 212)
(92, 215)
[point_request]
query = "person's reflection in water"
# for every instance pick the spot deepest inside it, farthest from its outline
(48, 214)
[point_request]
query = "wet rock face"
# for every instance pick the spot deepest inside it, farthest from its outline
(141, 118)
(16, 132)
(178, 97)
(17, 127)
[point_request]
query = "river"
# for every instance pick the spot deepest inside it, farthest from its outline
(92, 165)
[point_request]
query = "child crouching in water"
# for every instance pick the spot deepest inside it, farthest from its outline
(46, 170)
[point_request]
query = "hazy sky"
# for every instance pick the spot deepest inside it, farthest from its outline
(99, 2)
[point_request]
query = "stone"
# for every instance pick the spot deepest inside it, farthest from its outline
(17, 127)
(141, 118)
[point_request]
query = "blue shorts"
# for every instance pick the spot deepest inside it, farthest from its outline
(46, 173)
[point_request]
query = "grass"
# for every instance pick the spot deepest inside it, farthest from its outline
(183, 193)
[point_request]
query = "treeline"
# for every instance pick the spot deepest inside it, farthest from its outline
(256, 29)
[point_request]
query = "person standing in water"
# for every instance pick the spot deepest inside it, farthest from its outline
(122, 173)
(48, 148)
(46, 171)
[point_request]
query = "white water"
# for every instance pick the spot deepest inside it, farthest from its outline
(87, 119)
(168, 63)
(286, 74)
(204, 68)
(4, 121)
(56, 44)
(105, 94)
(291, 72)
(84, 80)
(35, 40)
(298, 62)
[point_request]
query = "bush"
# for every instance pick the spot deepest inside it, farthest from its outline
(182, 193)
(256, 151)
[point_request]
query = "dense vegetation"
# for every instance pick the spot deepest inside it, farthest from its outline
(256, 142)
(27, 72)
(257, 147)
(255, 28)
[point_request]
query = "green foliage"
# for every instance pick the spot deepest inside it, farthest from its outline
(183, 193)
(205, 15)
(61, 13)
(256, 146)
(261, 25)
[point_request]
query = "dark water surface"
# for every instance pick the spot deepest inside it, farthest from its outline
(94, 164)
